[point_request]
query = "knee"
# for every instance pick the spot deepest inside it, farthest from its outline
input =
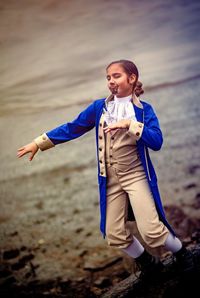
(154, 238)
(152, 242)
(118, 238)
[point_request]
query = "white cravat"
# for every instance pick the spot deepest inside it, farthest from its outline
(119, 109)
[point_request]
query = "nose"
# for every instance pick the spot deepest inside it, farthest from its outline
(112, 82)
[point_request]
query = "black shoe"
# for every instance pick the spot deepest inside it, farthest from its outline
(149, 266)
(184, 261)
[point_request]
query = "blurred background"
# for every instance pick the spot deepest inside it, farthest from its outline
(53, 56)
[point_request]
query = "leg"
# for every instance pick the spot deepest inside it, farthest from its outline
(152, 230)
(184, 258)
(117, 232)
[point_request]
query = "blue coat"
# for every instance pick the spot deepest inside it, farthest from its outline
(151, 138)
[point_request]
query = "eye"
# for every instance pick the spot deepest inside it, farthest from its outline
(117, 76)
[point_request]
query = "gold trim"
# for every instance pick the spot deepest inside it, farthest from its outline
(137, 101)
(145, 155)
(101, 154)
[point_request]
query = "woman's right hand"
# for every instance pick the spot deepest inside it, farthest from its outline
(31, 147)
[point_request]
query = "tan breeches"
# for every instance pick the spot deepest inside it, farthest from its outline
(131, 185)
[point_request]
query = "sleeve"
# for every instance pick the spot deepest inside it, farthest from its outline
(68, 131)
(136, 129)
(148, 132)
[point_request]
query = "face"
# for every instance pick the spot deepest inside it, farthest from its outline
(119, 83)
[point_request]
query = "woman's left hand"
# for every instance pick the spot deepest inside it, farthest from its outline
(120, 124)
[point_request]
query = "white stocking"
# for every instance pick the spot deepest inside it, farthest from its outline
(135, 249)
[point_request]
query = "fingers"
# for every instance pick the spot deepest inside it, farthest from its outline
(21, 152)
(110, 127)
(31, 156)
(107, 129)
(29, 148)
(119, 124)
(20, 149)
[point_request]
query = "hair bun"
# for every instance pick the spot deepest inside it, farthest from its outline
(138, 89)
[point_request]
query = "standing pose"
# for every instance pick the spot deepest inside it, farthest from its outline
(126, 128)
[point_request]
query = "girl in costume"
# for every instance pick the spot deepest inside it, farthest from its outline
(126, 128)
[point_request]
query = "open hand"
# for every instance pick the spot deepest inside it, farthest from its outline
(120, 124)
(31, 147)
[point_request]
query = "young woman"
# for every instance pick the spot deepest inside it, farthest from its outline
(126, 128)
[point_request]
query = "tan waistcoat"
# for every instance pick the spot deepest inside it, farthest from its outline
(121, 150)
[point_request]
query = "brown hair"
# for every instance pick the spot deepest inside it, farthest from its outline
(130, 68)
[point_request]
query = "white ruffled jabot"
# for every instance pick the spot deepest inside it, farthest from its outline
(119, 109)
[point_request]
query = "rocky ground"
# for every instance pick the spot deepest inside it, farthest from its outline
(19, 278)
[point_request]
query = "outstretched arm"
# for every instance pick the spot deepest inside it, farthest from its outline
(63, 133)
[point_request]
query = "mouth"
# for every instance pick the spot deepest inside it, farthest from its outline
(114, 89)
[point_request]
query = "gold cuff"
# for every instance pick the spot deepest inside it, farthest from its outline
(136, 129)
(44, 142)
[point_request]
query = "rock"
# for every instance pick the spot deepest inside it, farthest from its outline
(11, 254)
(190, 185)
(196, 236)
(41, 241)
(169, 283)
(182, 224)
(197, 201)
(193, 169)
(97, 266)
(102, 282)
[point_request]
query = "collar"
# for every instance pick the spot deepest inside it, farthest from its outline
(123, 99)
(134, 99)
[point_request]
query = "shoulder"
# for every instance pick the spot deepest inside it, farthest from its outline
(98, 103)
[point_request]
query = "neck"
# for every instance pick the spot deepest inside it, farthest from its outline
(124, 99)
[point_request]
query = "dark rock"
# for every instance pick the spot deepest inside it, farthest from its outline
(4, 271)
(78, 230)
(170, 282)
(15, 233)
(7, 282)
(197, 201)
(182, 224)
(193, 169)
(189, 186)
(196, 236)
(83, 253)
(102, 282)
(11, 254)
(94, 266)
(22, 262)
